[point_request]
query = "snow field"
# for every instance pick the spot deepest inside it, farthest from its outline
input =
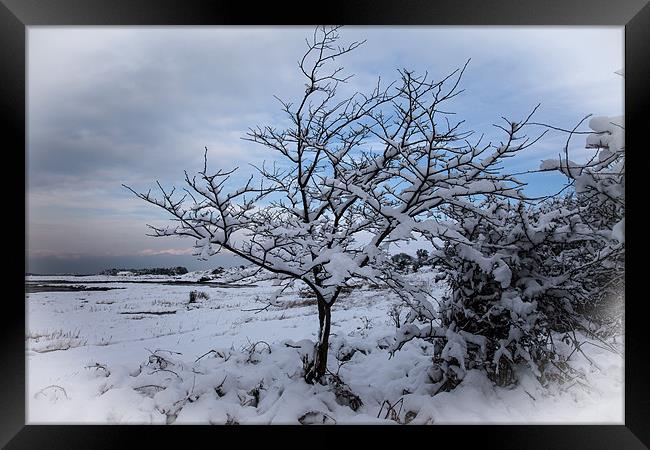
(144, 355)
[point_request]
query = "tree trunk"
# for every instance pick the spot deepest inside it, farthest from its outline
(317, 370)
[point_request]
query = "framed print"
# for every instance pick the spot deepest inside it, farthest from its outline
(235, 216)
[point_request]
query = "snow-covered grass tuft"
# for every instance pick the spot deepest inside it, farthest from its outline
(50, 341)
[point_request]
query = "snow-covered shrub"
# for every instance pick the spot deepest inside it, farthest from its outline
(520, 275)
(394, 314)
(198, 295)
(422, 258)
(600, 200)
(524, 273)
(403, 262)
(508, 291)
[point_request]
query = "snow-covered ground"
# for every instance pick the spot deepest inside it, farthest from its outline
(143, 354)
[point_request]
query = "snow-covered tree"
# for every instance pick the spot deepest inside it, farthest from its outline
(347, 177)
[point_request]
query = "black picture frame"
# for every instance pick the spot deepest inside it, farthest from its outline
(16, 15)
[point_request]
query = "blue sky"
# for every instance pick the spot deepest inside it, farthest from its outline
(115, 105)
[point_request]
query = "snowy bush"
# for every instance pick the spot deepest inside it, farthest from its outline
(509, 290)
(521, 275)
(403, 262)
(198, 295)
(218, 271)
(600, 199)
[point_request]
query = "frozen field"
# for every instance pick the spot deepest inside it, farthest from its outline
(141, 353)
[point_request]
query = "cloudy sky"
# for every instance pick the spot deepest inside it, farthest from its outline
(113, 105)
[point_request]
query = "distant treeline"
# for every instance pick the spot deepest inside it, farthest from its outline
(155, 271)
